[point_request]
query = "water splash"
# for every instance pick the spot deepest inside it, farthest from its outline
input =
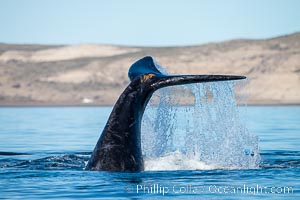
(202, 124)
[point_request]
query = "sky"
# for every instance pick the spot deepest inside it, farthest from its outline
(145, 23)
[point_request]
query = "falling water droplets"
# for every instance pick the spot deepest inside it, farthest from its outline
(203, 123)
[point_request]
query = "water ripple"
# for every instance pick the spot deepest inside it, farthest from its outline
(77, 161)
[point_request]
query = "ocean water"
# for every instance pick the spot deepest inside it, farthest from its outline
(43, 151)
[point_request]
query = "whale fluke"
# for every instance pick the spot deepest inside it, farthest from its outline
(119, 146)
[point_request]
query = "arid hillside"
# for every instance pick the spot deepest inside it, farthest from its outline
(97, 74)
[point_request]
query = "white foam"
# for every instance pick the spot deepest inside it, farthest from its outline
(175, 161)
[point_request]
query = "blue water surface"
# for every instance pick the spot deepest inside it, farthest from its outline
(43, 151)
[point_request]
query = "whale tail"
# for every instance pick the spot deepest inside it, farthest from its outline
(119, 146)
(150, 69)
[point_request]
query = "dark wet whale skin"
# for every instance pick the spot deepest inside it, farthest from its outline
(119, 146)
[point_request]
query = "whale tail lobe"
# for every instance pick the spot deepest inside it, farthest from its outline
(149, 68)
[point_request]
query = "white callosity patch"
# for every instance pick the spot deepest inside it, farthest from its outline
(207, 134)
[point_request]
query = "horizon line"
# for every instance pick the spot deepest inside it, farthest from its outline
(158, 46)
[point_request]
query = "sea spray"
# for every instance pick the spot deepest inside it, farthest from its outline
(199, 123)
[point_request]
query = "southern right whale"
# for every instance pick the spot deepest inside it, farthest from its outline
(119, 146)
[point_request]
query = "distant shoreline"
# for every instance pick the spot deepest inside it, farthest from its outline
(95, 75)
